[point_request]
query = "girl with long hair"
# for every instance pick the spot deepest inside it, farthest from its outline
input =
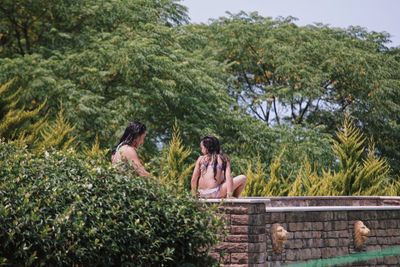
(212, 174)
(125, 149)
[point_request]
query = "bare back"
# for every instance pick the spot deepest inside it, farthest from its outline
(208, 177)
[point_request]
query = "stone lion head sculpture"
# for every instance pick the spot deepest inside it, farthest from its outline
(279, 237)
(361, 233)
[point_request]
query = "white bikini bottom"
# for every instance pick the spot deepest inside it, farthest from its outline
(210, 193)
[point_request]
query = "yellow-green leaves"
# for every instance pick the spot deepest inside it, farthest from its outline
(174, 167)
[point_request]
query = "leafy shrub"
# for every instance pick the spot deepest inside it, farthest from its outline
(360, 171)
(59, 208)
(174, 169)
(256, 180)
(30, 125)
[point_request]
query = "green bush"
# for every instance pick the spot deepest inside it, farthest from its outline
(60, 208)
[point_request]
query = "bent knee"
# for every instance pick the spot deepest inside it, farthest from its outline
(242, 179)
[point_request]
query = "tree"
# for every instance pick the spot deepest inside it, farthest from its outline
(116, 65)
(282, 74)
(28, 26)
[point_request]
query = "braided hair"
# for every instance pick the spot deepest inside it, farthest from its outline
(133, 131)
(211, 143)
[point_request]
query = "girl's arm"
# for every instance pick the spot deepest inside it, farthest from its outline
(229, 180)
(133, 159)
(195, 177)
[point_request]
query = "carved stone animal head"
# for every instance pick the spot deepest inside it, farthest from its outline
(361, 233)
(279, 237)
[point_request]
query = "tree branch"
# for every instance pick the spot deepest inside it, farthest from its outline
(300, 120)
(276, 112)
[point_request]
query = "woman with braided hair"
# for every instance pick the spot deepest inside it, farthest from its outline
(125, 149)
(212, 174)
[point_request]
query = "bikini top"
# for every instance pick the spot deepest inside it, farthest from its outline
(205, 165)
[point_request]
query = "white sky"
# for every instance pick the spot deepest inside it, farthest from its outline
(375, 15)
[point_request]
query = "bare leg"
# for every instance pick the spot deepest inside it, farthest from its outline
(239, 183)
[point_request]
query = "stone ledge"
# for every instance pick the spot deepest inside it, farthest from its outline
(330, 208)
(312, 201)
(236, 200)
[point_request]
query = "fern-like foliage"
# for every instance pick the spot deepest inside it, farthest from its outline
(174, 169)
(256, 179)
(373, 176)
(360, 171)
(349, 149)
(305, 181)
(276, 185)
(95, 152)
(57, 134)
(17, 122)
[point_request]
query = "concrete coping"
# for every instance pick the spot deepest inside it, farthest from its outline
(333, 197)
(269, 208)
(236, 200)
(330, 208)
(247, 200)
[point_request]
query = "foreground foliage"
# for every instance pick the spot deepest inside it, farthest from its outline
(60, 208)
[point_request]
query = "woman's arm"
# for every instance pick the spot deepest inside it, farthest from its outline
(133, 159)
(195, 177)
(229, 180)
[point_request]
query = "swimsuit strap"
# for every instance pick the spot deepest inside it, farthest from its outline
(119, 146)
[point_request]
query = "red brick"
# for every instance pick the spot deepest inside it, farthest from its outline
(228, 247)
(237, 238)
(234, 210)
(221, 258)
(242, 219)
(239, 229)
(239, 258)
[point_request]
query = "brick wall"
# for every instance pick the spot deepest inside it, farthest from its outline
(315, 232)
(245, 244)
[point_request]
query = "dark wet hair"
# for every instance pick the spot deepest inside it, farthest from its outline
(211, 143)
(132, 131)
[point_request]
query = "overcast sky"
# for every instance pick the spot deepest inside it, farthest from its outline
(375, 15)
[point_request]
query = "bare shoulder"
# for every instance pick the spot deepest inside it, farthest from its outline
(200, 159)
(129, 152)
